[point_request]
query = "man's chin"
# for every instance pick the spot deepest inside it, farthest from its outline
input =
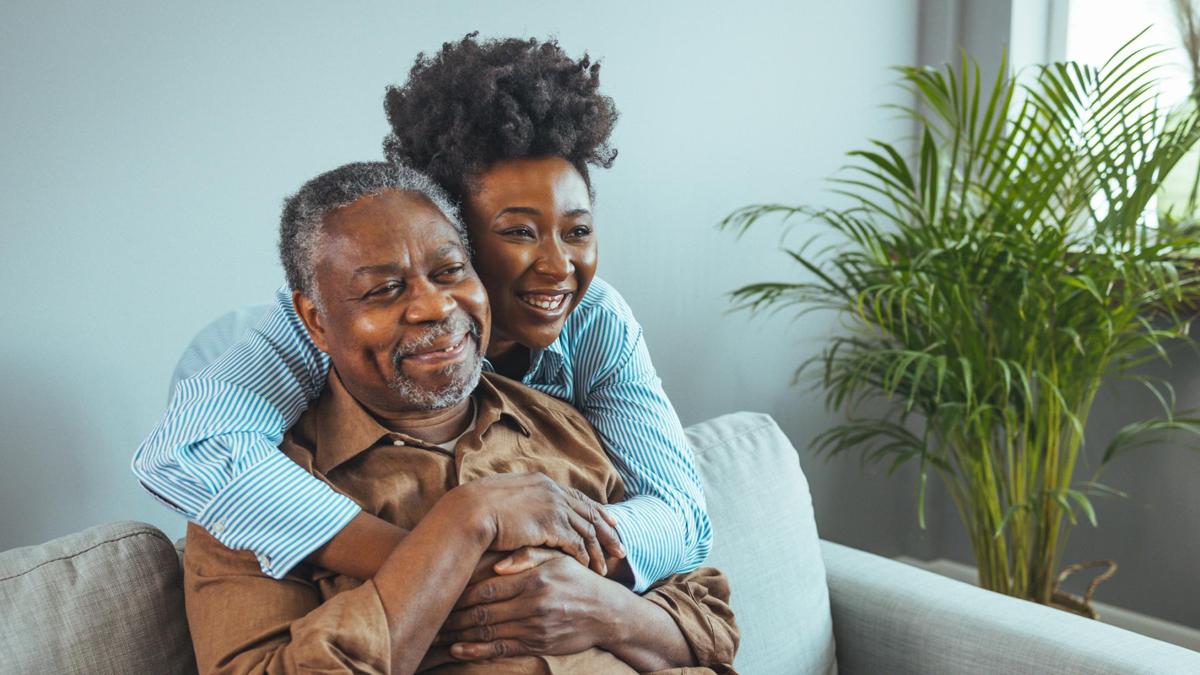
(445, 388)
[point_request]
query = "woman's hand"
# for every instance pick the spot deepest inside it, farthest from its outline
(558, 607)
(524, 510)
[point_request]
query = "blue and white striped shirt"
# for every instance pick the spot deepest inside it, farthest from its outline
(214, 456)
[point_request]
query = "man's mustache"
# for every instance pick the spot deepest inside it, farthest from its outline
(450, 326)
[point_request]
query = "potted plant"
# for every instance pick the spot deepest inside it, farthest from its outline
(990, 284)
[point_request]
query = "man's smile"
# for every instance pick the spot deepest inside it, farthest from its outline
(441, 352)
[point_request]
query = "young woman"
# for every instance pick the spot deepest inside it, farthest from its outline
(509, 128)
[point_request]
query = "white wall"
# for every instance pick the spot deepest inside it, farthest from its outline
(145, 148)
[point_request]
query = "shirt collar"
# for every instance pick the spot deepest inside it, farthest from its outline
(344, 429)
(549, 360)
(494, 406)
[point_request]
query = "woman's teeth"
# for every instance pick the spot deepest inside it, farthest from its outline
(550, 302)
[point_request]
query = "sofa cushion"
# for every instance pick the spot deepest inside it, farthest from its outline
(105, 600)
(765, 540)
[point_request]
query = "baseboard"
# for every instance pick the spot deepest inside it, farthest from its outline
(1149, 626)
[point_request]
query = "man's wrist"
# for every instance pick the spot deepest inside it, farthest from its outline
(617, 609)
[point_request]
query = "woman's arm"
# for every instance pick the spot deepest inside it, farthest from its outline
(245, 622)
(214, 456)
(663, 521)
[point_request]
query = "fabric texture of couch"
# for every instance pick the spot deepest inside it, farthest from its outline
(108, 599)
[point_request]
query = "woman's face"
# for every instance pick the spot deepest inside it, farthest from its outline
(530, 222)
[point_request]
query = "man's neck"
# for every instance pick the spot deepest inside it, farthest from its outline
(431, 426)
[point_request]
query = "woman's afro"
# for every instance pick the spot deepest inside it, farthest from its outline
(478, 102)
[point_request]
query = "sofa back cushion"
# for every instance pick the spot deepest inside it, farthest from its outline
(105, 600)
(765, 540)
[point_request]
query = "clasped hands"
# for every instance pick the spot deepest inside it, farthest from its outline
(533, 592)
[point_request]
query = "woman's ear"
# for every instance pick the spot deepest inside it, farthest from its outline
(310, 314)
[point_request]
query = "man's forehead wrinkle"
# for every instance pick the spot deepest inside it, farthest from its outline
(450, 248)
(380, 268)
(445, 251)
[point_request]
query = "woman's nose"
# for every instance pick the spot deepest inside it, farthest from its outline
(553, 262)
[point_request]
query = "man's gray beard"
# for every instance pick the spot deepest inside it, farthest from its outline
(464, 376)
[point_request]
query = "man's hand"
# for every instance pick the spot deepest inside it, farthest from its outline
(558, 607)
(531, 510)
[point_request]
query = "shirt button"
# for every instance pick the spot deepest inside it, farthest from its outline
(218, 527)
(265, 561)
(397, 442)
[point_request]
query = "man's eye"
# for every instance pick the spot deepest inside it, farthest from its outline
(386, 289)
(452, 272)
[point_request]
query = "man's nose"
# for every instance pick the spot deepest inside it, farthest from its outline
(553, 261)
(429, 303)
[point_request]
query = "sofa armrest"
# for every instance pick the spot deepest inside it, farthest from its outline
(889, 617)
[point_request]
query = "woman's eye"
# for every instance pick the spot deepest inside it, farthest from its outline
(580, 231)
(520, 232)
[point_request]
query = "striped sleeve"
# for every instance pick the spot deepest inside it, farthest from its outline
(214, 455)
(664, 522)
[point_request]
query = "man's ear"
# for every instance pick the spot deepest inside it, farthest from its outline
(313, 321)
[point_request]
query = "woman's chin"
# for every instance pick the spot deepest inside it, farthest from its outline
(539, 338)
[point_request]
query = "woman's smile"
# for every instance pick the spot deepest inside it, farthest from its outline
(550, 303)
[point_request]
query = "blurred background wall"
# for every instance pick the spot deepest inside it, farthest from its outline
(145, 148)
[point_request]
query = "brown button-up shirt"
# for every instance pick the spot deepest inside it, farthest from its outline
(313, 620)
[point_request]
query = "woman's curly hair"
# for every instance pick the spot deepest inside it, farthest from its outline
(478, 102)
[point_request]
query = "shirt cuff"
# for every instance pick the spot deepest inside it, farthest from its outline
(278, 511)
(652, 536)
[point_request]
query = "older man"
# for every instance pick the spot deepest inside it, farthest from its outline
(407, 428)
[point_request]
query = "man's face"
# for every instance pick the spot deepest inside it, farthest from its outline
(404, 317)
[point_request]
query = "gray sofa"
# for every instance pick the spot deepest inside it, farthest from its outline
(108, 599)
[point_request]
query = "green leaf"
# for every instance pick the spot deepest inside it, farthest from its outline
(1085, 504)
(1008, 514)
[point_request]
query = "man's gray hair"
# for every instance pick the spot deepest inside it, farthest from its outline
(304, 212)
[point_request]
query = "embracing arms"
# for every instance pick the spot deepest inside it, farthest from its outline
(214, 458)
(663, 521)
(245, 622)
